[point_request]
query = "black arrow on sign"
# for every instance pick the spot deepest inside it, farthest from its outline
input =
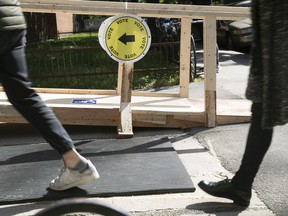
(127, 38)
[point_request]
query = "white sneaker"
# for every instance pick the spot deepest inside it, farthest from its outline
(71, 178)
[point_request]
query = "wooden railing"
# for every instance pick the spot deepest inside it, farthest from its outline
(186, 13)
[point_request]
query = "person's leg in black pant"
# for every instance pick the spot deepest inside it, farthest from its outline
(14, 78)
(258, 142)
(239, 187)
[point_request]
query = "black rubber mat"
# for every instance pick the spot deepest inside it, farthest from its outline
(134, 166)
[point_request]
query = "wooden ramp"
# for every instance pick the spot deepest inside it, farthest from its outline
(178, 111)
(147, 111)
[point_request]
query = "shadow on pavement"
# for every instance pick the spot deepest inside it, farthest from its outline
(217, 208)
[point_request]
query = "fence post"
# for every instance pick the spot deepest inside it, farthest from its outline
(119, 80)
(210, 69)
(185, 56)
(125, 128)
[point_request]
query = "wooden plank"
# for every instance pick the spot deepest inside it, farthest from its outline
(119, 79)
(148, 118)
(86, 113)
(127, 82)
(125, 129)
(210, 108)
(154, 94)
(13, 119)
(185, 56)
(102, 92)
(210, 70)
(194, 117)
(68, 115)
(73, 91)
(182, 123)
(171, 122)
(141, 9)
(230, 119)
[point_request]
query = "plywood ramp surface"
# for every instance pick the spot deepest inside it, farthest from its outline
(147, 111)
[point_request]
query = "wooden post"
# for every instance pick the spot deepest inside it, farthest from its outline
(125, 128)
(210, 69)
(120, 76)
(185, 56)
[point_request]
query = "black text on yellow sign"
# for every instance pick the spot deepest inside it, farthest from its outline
(127, 38)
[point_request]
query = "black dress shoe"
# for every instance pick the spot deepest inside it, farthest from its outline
(225, 189)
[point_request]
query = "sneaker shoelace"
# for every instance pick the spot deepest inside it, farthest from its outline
(62, 171)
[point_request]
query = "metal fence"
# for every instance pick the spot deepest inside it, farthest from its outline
(92, 68)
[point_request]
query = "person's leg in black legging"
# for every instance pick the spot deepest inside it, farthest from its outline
(258, 142)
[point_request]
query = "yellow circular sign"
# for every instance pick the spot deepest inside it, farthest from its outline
(126, 38)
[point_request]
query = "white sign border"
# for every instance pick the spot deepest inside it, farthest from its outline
(106, 24)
